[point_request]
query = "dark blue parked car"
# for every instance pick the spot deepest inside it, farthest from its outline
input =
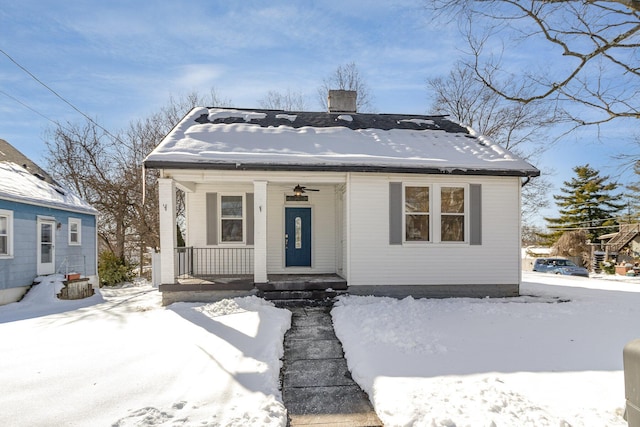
(559, 266)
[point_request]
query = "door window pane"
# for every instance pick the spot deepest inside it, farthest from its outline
(46, 253)
(298, 224)
(46, 235)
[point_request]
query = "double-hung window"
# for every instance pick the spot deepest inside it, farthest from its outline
(75, 233)
(417, 214)
(435, 213)
(231, 219)
(6, 233)
(452, 213)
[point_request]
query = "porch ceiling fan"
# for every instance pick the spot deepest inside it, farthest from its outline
(299, 190)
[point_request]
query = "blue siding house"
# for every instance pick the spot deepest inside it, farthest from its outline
(44, 229)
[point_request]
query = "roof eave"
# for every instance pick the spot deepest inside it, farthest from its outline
(160, 164)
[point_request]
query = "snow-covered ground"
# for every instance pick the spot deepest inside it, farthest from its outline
(552, 357)
(120, 359)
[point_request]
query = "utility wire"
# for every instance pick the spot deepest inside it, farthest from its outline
(29, 107)
(56, 94)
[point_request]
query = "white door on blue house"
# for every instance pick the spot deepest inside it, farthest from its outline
(46, 246)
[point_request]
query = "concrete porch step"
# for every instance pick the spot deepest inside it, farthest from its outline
(310, 282)
(315, 294)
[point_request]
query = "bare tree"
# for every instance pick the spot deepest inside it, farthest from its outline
(518, 127)
(347, 77)
(574, 244)
(107, 172)
(588, 52)
(288, 101)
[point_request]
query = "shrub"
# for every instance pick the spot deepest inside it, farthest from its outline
(114, 270)
(608, 267)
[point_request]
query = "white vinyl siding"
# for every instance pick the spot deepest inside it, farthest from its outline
(323, 229)
(376, 262)
(323, 217)
(196, 213)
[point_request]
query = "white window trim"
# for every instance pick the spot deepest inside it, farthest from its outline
(404, 214)
(244, 219)
(435, 215)
(9, 215)
(78, 222)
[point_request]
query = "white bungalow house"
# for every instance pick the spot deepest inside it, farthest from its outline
(390, 204)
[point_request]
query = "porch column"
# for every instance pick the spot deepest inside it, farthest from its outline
(260, 231)
(167, 207)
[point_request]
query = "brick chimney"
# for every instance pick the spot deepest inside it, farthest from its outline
(342, 101)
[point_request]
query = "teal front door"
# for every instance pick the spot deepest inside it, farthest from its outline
(297, 237)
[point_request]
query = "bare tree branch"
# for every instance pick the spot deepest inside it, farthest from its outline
(288, 101)
(347, 77)
(581, 43)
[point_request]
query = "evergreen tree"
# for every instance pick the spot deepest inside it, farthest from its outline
(632, 211)
(587, 202)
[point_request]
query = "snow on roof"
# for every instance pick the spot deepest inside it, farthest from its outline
(17, 183)
(224, 138)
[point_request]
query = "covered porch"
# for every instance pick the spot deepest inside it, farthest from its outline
(248, 231)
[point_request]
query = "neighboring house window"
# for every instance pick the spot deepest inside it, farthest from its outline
(75, 227)
(416, 214)
(452, 214)
(6, 234)
(231, 219)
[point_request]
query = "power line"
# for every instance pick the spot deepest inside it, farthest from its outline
(586, 221)
(57, 95)
(29, 107)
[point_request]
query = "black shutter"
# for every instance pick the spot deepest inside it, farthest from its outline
(250, 225)
(211, 216)
(475, 214)
(395, 213)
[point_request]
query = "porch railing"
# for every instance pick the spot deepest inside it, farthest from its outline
(73, 264)
(199, 262)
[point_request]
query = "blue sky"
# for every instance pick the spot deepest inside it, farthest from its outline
(119, 61)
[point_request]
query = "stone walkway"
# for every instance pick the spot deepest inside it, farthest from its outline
(317, 387)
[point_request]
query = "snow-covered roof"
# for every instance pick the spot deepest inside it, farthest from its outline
(18, 184)
(212, 138)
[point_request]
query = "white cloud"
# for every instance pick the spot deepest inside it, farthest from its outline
(196, 76)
